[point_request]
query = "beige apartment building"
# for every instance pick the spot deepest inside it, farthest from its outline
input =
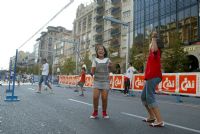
(91, 29)
(83, 29)
(52, 45)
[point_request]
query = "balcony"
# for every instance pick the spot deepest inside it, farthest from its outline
(99, 18)
(114, 23)
(115, 2)
(99, 28)
(99, 38)
(114, 47)
(115, 32)
(115, 11)
(100, 10)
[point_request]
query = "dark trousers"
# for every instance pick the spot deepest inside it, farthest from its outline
(126, 86)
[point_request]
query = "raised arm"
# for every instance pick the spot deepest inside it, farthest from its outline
(153, 45)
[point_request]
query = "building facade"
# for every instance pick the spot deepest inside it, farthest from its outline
(92, 30)
(51, 45)
(112, 35)
(169, 17)
(83, 30)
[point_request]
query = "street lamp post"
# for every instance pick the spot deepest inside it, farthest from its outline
(127, 24)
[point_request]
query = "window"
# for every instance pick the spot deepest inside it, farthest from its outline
(194, 11)
(180, 15)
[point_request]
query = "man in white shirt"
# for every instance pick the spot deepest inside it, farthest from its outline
(128, 78)
(44, 76)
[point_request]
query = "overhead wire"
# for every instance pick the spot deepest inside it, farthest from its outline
(71, 1)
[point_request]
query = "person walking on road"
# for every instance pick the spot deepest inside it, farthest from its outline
(82, 80)
(153, 76)
(101, 66)
(83, 65)
(128, 78)
(44, 76)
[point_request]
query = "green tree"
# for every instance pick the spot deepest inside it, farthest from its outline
(36, 69)
(175, 58)
(68, 67)
(139, 52)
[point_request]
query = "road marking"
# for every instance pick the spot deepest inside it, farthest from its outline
(141, 117)
(169, 124)
(81, 102)
(31, 88)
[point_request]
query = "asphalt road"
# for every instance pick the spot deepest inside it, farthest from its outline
(65, 112)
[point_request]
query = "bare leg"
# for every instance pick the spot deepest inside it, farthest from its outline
(49, 86)
(40, 86)
(156, 112)
(104, 97)
(150, 112)
(82, 90)
(96, 99)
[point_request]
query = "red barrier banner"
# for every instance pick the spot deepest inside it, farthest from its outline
(138, 82)
(70, 80)
(118, 82)
(66, 81)
(77, 78)
(111, 81)
(61, 79)
(169, 83)
(188, 84)
(178, 83)
(88, 81)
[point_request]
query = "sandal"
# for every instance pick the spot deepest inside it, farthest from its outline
(149, 120)
(157, 124)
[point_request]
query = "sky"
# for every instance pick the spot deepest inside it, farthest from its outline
(20, 19)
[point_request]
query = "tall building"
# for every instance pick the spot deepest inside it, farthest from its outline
(83, 29)
(169, 17)
(112, 35)
(92, 30)
(50, 45)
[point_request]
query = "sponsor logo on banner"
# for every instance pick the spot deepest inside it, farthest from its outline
(73, 80)
(111, 81)
(77, 79)
(66, 79)
(117, 82)
(88, 81)
(187, 84)
(169, 83)
(69, 80)
(138, 82)
(61, 79)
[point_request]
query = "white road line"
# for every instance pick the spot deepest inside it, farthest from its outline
(81, 102)
(141, 117)
(31, 88)
(169, 124)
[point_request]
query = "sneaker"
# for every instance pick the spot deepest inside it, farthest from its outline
(94, 115)
(105, 115)
(157, 124)
(76, 90)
